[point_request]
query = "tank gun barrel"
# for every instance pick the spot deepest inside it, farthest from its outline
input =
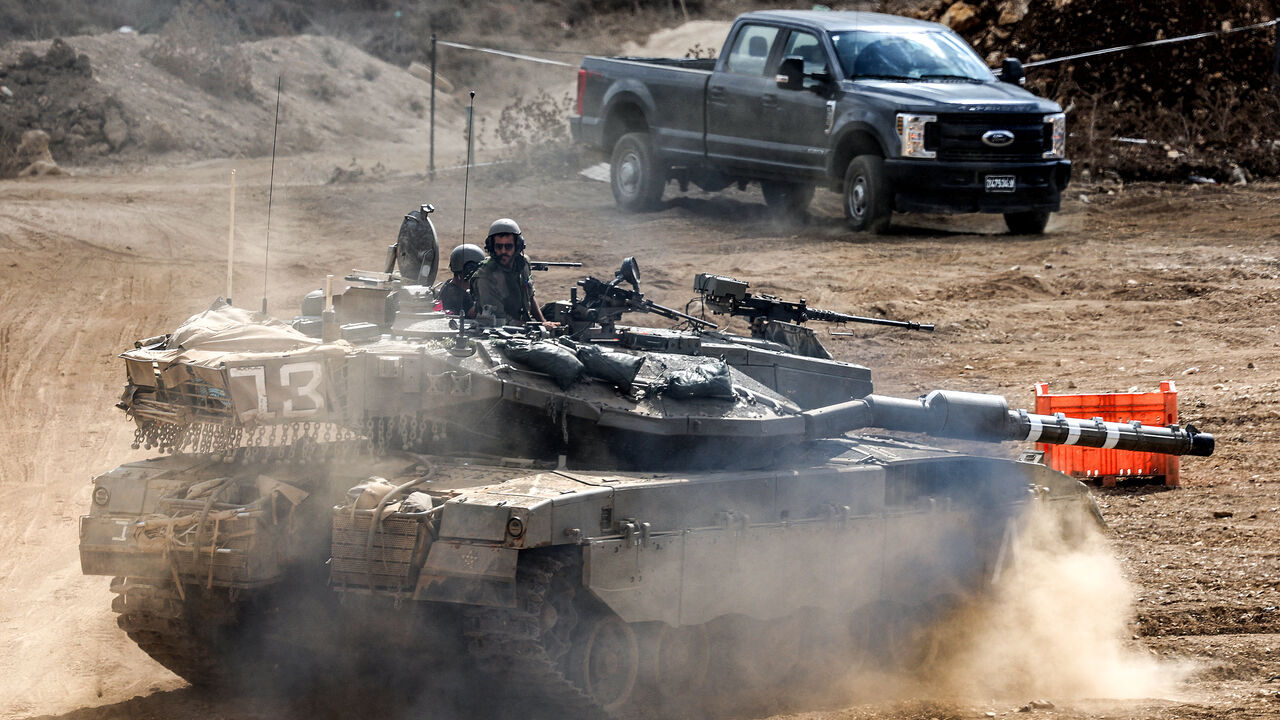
(977, 416)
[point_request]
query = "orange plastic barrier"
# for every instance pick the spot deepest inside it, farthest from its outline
(1153, 408)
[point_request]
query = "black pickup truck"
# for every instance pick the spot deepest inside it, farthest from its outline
(894, 113)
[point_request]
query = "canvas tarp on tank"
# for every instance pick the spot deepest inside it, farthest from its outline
(228, 362)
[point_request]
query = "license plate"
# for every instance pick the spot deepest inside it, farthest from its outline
(1001, 183)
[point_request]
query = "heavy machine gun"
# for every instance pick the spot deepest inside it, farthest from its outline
(729, 296)
(603, 303)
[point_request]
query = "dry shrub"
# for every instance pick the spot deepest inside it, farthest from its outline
(199, 44)
(534, 133)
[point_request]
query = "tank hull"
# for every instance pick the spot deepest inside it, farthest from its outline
(532, 571)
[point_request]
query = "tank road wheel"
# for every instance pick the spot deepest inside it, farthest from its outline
(1031, 222)
(634, 174)
(866, 195)
(674, 664)
(605, 661)
(787, 200)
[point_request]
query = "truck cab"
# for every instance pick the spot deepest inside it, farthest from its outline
(896, 114)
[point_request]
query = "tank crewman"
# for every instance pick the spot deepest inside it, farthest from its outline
(455, 293)
(503, 284)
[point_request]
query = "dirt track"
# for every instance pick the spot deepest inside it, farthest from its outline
(1131, 286)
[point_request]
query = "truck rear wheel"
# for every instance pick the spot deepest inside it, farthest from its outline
(787, 199)
(866, 195)
(634, 176)
(1031, 222)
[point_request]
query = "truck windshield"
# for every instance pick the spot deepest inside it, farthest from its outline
(918, 56)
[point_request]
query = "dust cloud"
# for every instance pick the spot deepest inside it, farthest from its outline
(1056, 625)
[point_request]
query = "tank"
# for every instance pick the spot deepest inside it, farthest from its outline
(595, 519)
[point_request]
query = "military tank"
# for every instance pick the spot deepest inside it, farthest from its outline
(598, 519)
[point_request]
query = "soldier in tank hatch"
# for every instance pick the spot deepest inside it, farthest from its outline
(503, 284)
(455, 293)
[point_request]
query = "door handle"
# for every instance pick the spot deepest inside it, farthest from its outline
(715, 94)
(769, 101)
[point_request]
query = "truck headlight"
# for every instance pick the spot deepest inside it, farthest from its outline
(1056, 129)
(911, 133)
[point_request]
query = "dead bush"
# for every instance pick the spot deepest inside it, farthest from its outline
(534, 133)
(200, 45)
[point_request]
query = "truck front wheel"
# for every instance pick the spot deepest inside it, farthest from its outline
(866, 195)
(1031, 222)
(634, 175)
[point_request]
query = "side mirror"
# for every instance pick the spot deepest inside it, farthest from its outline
(791, 73)
(1011, 71)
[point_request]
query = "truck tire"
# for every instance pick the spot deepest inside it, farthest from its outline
(787, 199)
(634, 176)
(1031, 222)
(866, 195)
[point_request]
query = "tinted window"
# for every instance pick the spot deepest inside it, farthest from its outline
(908, 56)
(750, 50)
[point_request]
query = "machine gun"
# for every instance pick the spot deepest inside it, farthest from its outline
(726, 295)
(535, 265)
(602, 303)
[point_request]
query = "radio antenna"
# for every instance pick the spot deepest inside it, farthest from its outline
(266, 254)
(466, 183)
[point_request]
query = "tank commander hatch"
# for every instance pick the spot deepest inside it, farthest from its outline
(503, 284)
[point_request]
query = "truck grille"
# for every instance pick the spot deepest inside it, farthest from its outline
(959, 137)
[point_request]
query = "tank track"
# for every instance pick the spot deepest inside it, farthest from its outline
(518, 645)
(156, 617)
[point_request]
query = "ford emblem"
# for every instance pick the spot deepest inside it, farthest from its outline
(997, 138)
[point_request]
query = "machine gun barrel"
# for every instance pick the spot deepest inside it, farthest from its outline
(836, 317)
(665, 311)
(538, 265)
(976, 416)
(726, 295)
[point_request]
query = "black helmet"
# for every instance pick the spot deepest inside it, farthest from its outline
(503, 226)
(465, 258)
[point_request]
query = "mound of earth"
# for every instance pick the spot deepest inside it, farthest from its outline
(100, 97)
(56, 93)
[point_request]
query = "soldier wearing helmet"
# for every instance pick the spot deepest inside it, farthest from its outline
(455, 293)
(503, 284)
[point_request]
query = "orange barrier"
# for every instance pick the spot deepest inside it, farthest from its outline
(1153, 408)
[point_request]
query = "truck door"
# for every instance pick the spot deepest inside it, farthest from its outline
(798, 125)
(741, 96)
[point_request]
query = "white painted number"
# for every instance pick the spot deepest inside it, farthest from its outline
(307, 391)
(259, 375)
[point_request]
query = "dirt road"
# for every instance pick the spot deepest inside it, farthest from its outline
(1131, 286)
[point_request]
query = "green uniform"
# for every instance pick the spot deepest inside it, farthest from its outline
(509, 292)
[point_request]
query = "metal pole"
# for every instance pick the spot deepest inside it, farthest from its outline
(431, 162)
(231, 235)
